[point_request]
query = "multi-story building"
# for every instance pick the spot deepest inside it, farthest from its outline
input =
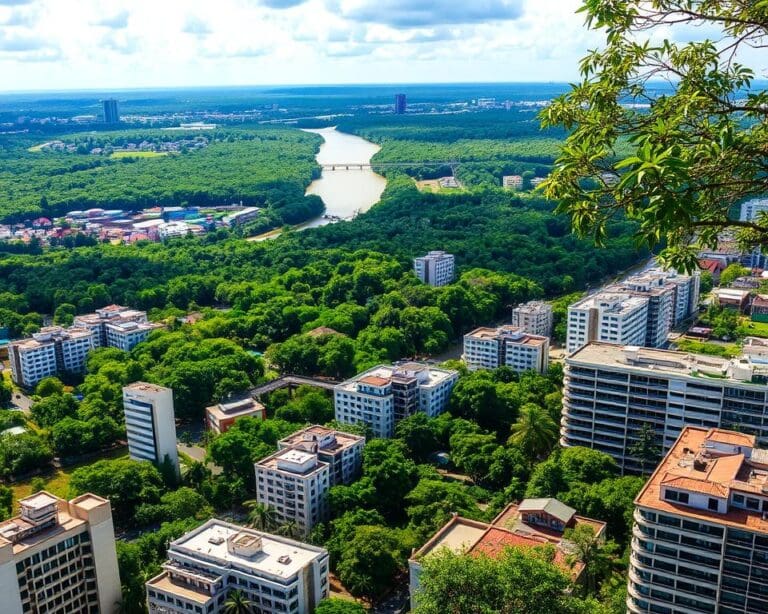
(514, 182)
(700, 539)
(610, 392)
(435, 269)
(534, 317)
(295, 484)
(509, 346)
(59, 557)
(611, 317)
(117, 326)
(530, 523)
(150, 423)
(662, 301)
(51, 351)
(342, 451)
(276, 574)
(750, 209)
(111, 112)
(401, 104)
(384, 395)
(222, 416)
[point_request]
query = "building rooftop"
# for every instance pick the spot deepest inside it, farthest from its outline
(715, 463)
(614, 302)
(383, 374)
(551, 506)
(669, 362)
(260, 553)
(144, 387)
(188, 592)
(326, 439)
(292, 461)
(514, 334)
(239, 406)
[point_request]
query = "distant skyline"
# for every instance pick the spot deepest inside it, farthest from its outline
(106, 45)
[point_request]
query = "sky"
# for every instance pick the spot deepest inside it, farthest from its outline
(99, 44)
(115, 44)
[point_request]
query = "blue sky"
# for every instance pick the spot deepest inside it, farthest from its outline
(102, 44)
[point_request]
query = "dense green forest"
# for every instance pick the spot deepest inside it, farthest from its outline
(268, 167)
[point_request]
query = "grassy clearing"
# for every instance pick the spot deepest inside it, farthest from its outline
(138, 154)
(747, 328)
(57, 482)
(725, 350)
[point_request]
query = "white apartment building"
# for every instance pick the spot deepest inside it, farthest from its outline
(111, 314)
(150, 423)
(342, 451)
(385, 394)
(51, 351)
(750, 209)
(534, 317)
(58, 557)
(611, 317)
(610, 392)
(700, 539)
(127, 335)
(510, 346)
(436, 268)
(295, 484)
(277, 575)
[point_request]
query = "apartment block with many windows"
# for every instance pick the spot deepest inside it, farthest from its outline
(534, 317)
(101, 319)
(276, 574)
(342, 451)
(386, 394)
(58, 557)
(611, 392)
(700, 539)
(510, 346)
(51, 351)
(150, 423)
(437, 268)
(611, 317)
(295, 484)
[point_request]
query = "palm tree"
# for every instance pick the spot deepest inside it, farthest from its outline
(238, 603)
(535, 433)
(289, 529)
(260, 515)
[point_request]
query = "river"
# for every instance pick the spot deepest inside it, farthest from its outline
(346, 192)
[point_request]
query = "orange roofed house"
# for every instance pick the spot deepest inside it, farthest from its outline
(700, 540)
(530, 523)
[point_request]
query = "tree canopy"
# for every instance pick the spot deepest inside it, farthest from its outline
(671, 134)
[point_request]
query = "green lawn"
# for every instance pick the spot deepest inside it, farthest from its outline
(57, 482)
(747, 328)
(725, 350)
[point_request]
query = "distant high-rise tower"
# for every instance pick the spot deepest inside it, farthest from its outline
(111, 114)
(400, 104)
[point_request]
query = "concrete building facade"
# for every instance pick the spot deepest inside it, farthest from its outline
(342, 451)
(51, 351)
(385, 394)
(295, 484)
(610, 317)
(117, 326)
(276, 574)
(220, 417)
(534, 317)
(59, 557)
(436, 268)
(610, 392)
(150, 423)
(700, 538)
(510, 346)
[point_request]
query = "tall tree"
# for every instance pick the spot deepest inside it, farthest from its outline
(535, 432)
(645, 449)
(260, 515)
(238, 603)
(681, 158)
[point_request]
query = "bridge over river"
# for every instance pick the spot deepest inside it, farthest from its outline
(367, 166)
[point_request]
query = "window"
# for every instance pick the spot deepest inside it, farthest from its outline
(712, 505)
(676, 495)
